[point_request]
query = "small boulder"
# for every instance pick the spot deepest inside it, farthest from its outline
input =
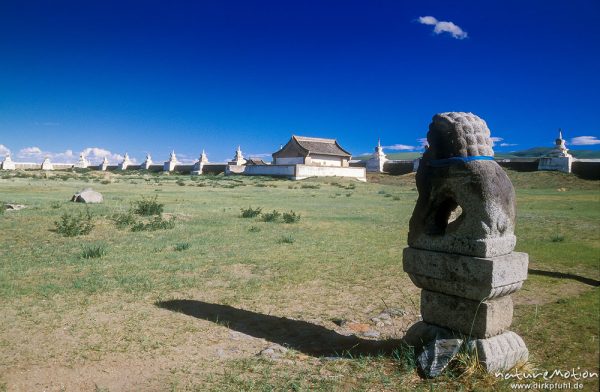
(14, 207)
(87, 196)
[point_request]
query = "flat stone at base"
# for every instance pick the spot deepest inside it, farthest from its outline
(437, 355)
(472, 318)
(469, 277)
(421, 333)
(501, 352)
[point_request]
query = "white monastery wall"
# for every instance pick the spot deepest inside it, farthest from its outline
(289, 161)
(326, 160)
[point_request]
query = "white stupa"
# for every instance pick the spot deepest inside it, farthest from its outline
(557, 159)
(169, 165)
(199, 165)
(8, 163)
(376, 162)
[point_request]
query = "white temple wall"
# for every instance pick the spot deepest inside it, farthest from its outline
(289, 161)
(325, 160)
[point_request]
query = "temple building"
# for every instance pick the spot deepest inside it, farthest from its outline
(312, 151)
(302, 157)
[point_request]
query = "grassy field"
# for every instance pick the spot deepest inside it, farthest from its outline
(221, 302)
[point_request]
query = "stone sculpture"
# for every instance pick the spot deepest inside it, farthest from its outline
(461, 240)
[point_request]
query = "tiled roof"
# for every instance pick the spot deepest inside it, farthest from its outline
(316, 145)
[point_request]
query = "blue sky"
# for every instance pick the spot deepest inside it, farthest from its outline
(151, 76)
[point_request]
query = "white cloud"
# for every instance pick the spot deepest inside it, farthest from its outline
(400, 147)
(508, 144)
(4, 150)
(585, 141)
(428, 20)
(93, 154)
(29, 152)
(443, 27)
(423, 142)
(97, 154)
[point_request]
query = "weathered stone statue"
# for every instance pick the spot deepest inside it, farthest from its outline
(461, 240)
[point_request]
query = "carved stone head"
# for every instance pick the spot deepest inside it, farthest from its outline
(466, 202)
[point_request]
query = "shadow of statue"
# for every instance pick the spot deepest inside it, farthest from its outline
(308, 338)
(563, 275)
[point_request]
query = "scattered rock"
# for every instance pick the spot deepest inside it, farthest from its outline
(371, 334)
(14, 207)
(395, 312)
(235, 335)
(88, 195)
(273, 352)
(384, 316)
(340, 322)
(332, 359)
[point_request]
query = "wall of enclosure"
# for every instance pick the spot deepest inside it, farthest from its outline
(584, 168)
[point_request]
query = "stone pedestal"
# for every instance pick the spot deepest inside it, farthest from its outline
(468, 298)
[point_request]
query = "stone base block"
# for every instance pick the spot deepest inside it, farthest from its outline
(500, 353)
(475, 278)
(497, 353)
(473, 318)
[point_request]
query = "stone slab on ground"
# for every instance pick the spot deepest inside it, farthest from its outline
(479, 319)
(475, 278)
(437, 355)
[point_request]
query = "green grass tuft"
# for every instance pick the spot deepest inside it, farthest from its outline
(157, 223)
(181, 246)
(93, 251)
(72, 225)
(250, 212)
(148, 206)
(286, 239)
(291, 217)
(271, 216)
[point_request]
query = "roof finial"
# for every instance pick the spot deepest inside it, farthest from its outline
(560, 133)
